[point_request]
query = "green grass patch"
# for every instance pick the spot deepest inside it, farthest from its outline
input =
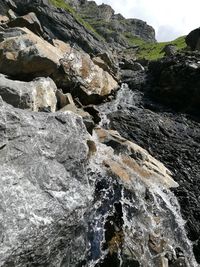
(154, 51)
(133, 40)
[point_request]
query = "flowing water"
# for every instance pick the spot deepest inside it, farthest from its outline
(135, 223)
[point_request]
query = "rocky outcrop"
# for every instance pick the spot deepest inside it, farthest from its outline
(83, 78)
(23, 53)
(175, 81)
(36, 95)
(68, 200)
(60, 23)
(117, 30)
(193, 39)
(174, 140)
(169, 136)
(75, 193)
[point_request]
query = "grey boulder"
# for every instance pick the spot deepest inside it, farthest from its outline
(35, 95)
(61, 205)
(44, 190)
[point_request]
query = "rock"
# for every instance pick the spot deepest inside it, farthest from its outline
(131, 65)
(34, 95)
(63, 99)
(23, 53)
(180, 263)
(60, 205)
(65, 48)
(65, 102)
(136, 158)
(163, 262)
(108, 62)
(193, 39)
(59, 23)
(116, 30)
(172, 138)
(157, 245)
(29, 21)
(83, 78)
(105, 12)
(135, 79)
(87, 119)
(175, 82)
(3, 8)
(169, 50)
(3, 19)
(11, 14)
(78, 111)
(44, 188)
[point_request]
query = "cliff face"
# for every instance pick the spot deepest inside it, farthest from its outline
(84, 133)
(114, 27)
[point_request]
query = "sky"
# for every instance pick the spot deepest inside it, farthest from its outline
(170, 18)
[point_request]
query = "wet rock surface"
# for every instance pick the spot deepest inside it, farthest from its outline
(67, 200)
(169, 136)
(73, 192)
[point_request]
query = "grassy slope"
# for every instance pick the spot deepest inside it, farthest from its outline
(150, 51)
(154, 51)
(64, 5)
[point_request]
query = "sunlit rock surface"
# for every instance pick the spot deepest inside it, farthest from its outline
(35, 95)
(23, 53)
(86, 79)
(64, 204)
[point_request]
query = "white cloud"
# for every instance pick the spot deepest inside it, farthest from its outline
(170, 18)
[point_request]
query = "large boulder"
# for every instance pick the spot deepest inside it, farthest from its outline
(22, 53)
(61, 205)
(29, 21)
(84, 78)
(193, 39)
(169, 50)
(44, 188)
(35, 95)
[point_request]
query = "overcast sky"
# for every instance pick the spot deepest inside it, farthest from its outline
(170, 18)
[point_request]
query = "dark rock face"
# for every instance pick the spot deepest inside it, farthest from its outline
(171, 137)
(62, 206)
(60, 24)
(193, 39)
(30, 21)
(3, 8)
(42, 158)
(175, 82)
